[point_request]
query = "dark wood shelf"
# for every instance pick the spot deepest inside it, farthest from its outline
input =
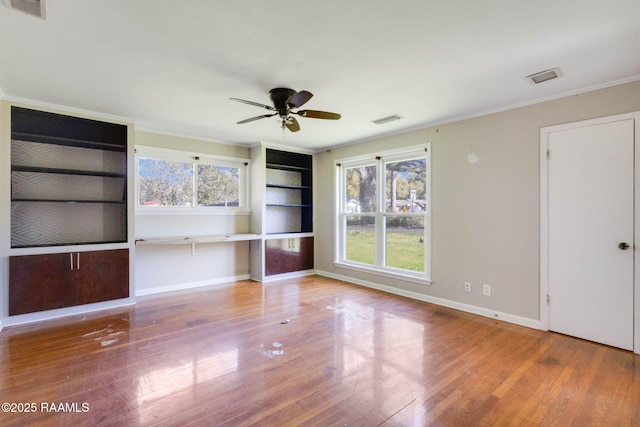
(59, 129)
(54, 140)
(38, 169)
(288, 205)
(288, 187)
(121, 202)
(287, 167)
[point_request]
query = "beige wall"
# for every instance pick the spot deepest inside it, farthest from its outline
(173, 142)
(485, 217)
(176, 225)
(167, 267)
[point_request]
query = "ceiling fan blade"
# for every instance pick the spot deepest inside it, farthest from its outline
(257, 104)
(292, 124)
(298, 99)
(255, 118)
(314, 114)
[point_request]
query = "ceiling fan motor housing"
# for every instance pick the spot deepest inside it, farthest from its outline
(279, 97)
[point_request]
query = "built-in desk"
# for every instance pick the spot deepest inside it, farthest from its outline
(193, 240)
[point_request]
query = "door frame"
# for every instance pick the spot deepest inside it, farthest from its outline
(544, 210)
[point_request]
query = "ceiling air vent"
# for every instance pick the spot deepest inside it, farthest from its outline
(391, 118)
(30, 7)
(543, 76)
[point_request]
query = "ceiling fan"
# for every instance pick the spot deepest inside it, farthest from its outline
(284, 102)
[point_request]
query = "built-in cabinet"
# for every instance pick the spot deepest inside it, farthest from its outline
(68, 188)
(288, 255)
(283, 212)
(50, 281)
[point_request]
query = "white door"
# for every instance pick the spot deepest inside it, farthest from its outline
(590, 232)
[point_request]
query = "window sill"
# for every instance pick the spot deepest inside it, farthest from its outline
(420, 279)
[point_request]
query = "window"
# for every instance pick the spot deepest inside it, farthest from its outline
(383, 213)
(169, 180)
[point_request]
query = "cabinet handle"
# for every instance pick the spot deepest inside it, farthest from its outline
(78, 262)
(71, 259)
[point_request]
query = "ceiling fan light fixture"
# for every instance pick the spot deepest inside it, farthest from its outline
(35, 8)
(544, 76)
(391, 118)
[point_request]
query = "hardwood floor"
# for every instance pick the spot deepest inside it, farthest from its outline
(311, 351)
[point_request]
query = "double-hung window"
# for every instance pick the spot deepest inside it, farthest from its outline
(383, 218)
(174, 181)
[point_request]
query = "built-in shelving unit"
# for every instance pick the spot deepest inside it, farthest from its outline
(68, 180)
(282, 213)
(68, 188)
(289, 206)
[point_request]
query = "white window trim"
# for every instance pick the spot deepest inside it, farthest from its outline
(188, 156)
(380, 159)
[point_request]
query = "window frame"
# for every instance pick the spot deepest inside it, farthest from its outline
(380, 160)
(195, 159)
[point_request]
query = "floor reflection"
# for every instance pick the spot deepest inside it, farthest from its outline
(378, 355)
(183, 375)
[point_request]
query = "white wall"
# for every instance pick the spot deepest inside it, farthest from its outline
(485, 218)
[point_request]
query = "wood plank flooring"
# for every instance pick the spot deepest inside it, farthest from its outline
(311, 352)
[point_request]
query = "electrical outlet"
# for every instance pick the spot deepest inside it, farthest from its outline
(486, 290)
(467, 286)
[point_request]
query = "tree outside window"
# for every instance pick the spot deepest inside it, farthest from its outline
(218, 185)
(201, 183)
(165, 183)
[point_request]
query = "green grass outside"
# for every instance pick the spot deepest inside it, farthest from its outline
(404, 250)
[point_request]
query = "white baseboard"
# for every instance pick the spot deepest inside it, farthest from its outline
(283, 276)
(506, 317)
(225, 281)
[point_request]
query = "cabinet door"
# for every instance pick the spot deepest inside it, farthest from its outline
(288, 255)
(40, 282)
(102, 276)
(276, 256)
(303, 259)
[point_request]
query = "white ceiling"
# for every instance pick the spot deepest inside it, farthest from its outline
(172, 65)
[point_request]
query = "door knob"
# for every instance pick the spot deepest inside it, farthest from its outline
(624, 246)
